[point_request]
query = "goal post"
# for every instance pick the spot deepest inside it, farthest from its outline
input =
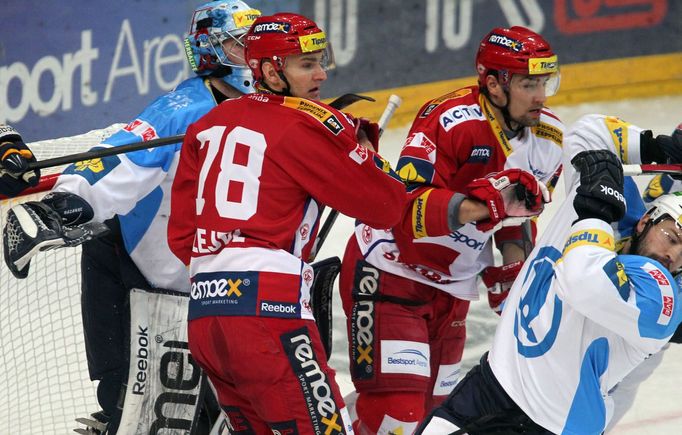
(45, 383)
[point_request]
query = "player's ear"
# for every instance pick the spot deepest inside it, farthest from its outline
(495, 88)
(271, 76)
(642, 223)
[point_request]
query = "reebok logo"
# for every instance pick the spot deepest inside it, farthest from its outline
(277, 308)
(142, 360)
(610, 191)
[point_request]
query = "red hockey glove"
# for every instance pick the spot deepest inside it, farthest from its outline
(510, 193)
(499, 280)
(369, 129)
(14, 159)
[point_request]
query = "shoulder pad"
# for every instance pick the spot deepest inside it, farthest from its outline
(431, 105)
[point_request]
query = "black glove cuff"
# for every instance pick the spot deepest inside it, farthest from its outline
(71, 208)
(650, 150)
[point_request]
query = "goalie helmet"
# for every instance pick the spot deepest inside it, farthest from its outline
(517, 50)
(214, 23)
(667, 206)
(284, 34)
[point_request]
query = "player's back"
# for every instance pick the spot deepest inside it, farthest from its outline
(253, 175)
(267, 165)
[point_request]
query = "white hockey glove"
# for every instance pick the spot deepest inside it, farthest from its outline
(60, 219)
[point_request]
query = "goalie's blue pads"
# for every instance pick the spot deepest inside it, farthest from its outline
(36, 226)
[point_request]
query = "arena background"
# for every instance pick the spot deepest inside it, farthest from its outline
(72, 66)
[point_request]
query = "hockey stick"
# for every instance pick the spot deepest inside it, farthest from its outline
(394, 102)
(339, 103)
(48, 181)
(651, 169)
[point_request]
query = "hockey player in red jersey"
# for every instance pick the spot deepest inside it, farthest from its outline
(475, 160)
(253, 178)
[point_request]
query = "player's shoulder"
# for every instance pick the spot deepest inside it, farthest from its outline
(657, 295)
(192, 96)
(461, 97)
(454, 111)
(316, 115)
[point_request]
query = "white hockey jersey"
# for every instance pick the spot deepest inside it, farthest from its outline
(579, 317)
(136, 186)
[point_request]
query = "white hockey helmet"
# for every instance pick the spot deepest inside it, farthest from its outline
(212, 24)
(668, 205)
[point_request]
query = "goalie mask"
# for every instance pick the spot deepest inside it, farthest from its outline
(273, 38)
(214, 46)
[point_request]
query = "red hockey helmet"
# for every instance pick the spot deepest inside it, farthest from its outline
(277, 36)
(517, 50)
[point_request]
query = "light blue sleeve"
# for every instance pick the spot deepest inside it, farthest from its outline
(114, 185)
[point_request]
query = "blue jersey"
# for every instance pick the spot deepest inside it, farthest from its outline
(579, 317)
(136, 186)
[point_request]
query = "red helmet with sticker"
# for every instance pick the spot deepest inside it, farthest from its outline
(517, 50)
(277, 36)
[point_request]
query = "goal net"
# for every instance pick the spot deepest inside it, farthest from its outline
(45, 384)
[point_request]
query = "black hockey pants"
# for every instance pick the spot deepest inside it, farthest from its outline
(479, 405)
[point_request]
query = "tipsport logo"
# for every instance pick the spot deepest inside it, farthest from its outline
(317, 391)
(543, 65)
(245, 18)
(315, 42)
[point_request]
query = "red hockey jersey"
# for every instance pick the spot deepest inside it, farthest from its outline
(253, 178)
(454, 140)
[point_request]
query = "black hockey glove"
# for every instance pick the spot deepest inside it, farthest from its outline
(14, 159)
(600, 194)
(662, 149)
(59, 220)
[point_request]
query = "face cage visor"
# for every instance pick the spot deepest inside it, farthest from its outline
(230, 54)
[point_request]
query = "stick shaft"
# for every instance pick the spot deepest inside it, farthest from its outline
(651, 169)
